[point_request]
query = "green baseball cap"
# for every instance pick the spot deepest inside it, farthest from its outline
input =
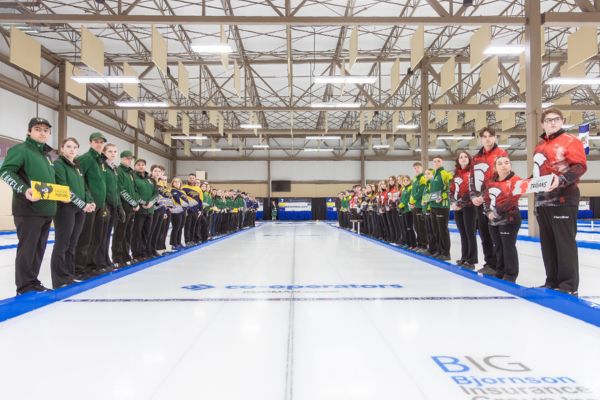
(96, 136)
(127, 153)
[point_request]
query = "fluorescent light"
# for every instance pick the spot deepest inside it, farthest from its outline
(559, 80)
(346, 79)
(106, 79)
(335, 105)
(504, 146)
(184, 137)
(318, 150)
(594, 137)
(407, 126)
(455, 137)
(521, 105)
(212, 48)
(142, 104)
(434, 150)
(499, 49)
(260, 146)
(250, 126)
(200, 149)
(568, 126)
(323, 138)
(381, 146)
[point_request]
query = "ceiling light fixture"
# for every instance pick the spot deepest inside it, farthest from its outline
(407, 126)
(381, 146)
(504, 50)
(318, 150)
(142, 104)
(434, 150)
(323, 138)
(106, 79)
(346, 79)
(251, 126)
(559, 80)
(201, 149)
(520, 106)
(186, 137)
(212, 48)
(335, 105)
(260, 146)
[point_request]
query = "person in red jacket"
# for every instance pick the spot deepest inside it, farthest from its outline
(502, 210)
(464, 211)
(563, 155)
(482, 170)
(391, 214)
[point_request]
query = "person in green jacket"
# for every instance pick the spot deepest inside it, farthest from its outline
(92, 167)
(238, 210)
(418, 186)
(406, 214)
(113, 203)
(69, 218)
(121, 243)
(26, 162)
(426, 208)
(207, 205)
(439, 188)
(147, 195)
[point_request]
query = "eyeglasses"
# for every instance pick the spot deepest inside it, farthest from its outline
(552, 120)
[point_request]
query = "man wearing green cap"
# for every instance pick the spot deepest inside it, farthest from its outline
(121, 244)
(94, 228)
(26, 162)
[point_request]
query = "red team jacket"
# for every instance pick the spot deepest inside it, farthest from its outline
(393, 196)
(382, 199)
(498, 198)
(459, 188)
(482, 168)
(563, 155)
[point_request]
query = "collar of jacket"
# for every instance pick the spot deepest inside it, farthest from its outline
(73, 163)
(42, 147)
(497, 177)
(482, 151)
(126, 168)
(97, 156)
(142, 175)
(553, 136)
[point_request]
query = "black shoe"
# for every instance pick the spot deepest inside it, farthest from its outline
(434, 254)
(468, 265)
(544, 286)
(460, 262)
(487, 270)
(444, 257)
(575, 293)
(39, 288)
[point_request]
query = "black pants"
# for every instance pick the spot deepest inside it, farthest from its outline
(486, 239)
(402, 230)
(177, 220)
(505, 247)
(121, 243)
(429, 228)
(103, 257)
(190, 225)
(90, 240)
(156, 227)
(466, 220)
(32, 233)
(203, 220)
(162, 241)
(440, 229)
(392, 221)
(140, 242)
(558, 229)
(419, 222)
(68, 223)
(410, 237)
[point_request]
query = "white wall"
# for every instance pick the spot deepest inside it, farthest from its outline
(15, 113)
(152, 159)
(347, 171)
(82, 132)
(222, 171)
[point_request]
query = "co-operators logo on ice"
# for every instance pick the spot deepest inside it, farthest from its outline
(201, 286)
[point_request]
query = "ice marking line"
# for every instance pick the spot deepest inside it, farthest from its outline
(291, 299)
(571, 306)
(289, 375)
(15, 306)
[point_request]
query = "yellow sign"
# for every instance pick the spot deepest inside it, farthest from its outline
(50, 191)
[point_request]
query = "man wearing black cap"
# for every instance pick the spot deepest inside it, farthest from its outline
(121, 244)
(26, 162)
(92, 166)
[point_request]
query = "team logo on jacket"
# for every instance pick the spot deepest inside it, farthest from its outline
(538, 160)
(479, 171)
(457, 183)
(494, 193)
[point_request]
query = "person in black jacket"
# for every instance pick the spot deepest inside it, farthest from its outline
(121, 244)
(69, 218)
(113, 204)
(26, 162)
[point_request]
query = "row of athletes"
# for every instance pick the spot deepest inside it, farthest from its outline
(125, 202)
(414, 212)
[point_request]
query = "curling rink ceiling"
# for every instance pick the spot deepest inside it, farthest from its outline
(299, 311)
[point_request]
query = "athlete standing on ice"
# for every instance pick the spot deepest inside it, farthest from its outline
(563, 155)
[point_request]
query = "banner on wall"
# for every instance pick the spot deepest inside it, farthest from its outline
(294, 209)
(5, 144)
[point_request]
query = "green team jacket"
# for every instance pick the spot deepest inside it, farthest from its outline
(68, 173)
(111, 178)
(405, 199)
(208, 200)
(146, 190)
(26, 162)
(416, 194)
(238, 203)
(439, 188)
(92, 167)
(229, 203)
(425, 199)
(126, 186)
(220, 203)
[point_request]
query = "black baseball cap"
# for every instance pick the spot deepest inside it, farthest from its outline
(38, 121)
